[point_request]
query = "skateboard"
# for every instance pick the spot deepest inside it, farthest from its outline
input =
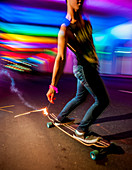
(100, 146)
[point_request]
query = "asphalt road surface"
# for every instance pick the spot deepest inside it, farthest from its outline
(27, 144)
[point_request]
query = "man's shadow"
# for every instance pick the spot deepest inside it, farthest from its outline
(115, 118)
(117, 136)
(114, 149)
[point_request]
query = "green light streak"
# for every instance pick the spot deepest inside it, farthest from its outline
(49, 52)
(101, 52)
(29, 29)
(17, 67)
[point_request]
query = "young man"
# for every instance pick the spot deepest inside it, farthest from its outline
(76, 33)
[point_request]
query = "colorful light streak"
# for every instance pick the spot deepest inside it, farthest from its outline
(122, 31)
(16, 14)
(15, 55)
(15, 64)
(15, 42)
(41, 58)
(11, 60)
(27, 32)
(103, 52)
(15, 48)
(46, 54)
(38, 47)
(25, 38)
(29, 29)
(52, 52)
(17, 67)
(14, 61)
(36, 60)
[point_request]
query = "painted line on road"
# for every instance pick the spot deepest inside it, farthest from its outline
(106, 130)
(124, 91)
(6, 110)
(3, 108)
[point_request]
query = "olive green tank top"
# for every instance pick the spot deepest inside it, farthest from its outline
(80, 41)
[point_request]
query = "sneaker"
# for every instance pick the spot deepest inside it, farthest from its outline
(57, 122)
(92, 139)
(80, 135)
(66, 120)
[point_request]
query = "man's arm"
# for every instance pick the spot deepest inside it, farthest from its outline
(59, 62)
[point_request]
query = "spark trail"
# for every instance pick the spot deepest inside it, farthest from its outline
(14, 89)
(45, 112)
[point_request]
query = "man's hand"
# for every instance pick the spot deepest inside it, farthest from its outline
(50, 95)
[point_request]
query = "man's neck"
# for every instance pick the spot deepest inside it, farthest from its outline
(73, 16)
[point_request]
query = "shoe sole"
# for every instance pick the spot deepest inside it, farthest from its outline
(87, 141)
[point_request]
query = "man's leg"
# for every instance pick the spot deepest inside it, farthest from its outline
(95, 86)
(81, 95)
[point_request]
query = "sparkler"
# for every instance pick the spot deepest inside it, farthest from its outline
(45, 112)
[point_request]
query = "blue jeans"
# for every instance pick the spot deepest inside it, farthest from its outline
(88, 81)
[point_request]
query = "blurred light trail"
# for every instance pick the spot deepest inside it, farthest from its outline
(17, 14)
(25, 38)
(123, 31)
(15, 55)
(17, 48)
(29, 29)
(14, 61)
(17, 67)
(36, 60)
(27, 46)
(27, 113)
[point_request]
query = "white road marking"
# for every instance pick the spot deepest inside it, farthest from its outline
(124, 91)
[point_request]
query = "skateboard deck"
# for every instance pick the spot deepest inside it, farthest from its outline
(69, 129)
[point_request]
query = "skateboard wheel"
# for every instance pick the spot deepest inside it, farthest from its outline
(94, 154)
(49, 124)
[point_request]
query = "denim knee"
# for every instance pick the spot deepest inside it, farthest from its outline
(80, 99)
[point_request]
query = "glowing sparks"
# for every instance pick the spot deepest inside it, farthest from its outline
(45, 112)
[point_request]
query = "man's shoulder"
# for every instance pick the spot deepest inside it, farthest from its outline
(65, 22)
